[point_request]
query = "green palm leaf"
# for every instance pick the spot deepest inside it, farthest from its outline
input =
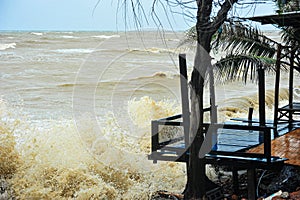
(190, 37)
(243, 39)
(241, 67)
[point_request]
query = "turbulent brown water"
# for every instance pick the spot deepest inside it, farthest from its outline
(76, 109)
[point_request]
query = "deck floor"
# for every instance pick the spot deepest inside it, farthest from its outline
(239, 140)
(230, 140)
(285, 146)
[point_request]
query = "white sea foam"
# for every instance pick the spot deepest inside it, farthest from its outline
(68, 32)
(58, 162)
(7, 46)
(106, 36)
(36, 33)
(69, 37)
(74, 50)
(297, 92)
(155, 50)
(160, 74)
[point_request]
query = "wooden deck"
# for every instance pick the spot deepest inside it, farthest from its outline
(235, 137)
(230, 141)
(285, 146)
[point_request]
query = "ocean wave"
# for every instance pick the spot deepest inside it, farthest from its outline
(10, 57)
(63, 160)
(66, 85)
(173, 40)
(69, 37)
(297, 92)
(106, 36)
(27, 43)
(7, 46)
(84, 162)
(73, 50)
(67, 32)
(168, 75)
(36, 33)
(154, 50)
(102, 83)
(239, 106)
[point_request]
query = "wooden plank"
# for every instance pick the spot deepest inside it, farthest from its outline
(251, 183)
(285, 146)
(291, 84)
(295, 107)
(277, 80)
(184, 97)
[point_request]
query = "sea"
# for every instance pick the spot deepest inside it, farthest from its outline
(76, 111)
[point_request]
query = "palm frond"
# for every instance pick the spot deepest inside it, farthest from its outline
(190, 37)
(291, 36)
(241, 67)
(244, 39)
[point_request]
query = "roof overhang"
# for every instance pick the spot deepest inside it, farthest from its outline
(290, 19)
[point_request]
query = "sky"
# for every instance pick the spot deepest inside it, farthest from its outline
(88, 15)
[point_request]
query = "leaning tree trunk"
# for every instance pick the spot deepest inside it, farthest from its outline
(197, 182)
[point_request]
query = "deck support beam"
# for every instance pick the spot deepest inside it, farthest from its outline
(277, 80)
(291, 86)
(235, 181)
(251, 183)
(261, 95)
(184, 98)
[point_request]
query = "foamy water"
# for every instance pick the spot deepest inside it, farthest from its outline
(7, 46)
(76, 109)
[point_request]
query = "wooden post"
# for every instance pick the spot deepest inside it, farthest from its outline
(261, 100)
(213, 107)
(185, 103)
(267, 145)
(276, 90)
(154, 138)
(291, 85)
(184, 98)
(235, 181)
(250, 115)
(251, 183)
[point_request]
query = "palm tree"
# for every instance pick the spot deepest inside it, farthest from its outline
(246, 49)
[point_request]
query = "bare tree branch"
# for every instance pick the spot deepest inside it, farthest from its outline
(222, 14)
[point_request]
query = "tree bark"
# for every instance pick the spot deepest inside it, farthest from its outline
(197, 181)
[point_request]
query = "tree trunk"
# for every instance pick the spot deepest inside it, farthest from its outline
(197, 181)
(196, 177)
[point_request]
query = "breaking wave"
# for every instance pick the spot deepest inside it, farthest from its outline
(69, 37)
(58, 162)
(106, 36)
(168, 75)
(36, 33)
(155, 50)
(70, 51)
(7, 46)
(239, 106)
